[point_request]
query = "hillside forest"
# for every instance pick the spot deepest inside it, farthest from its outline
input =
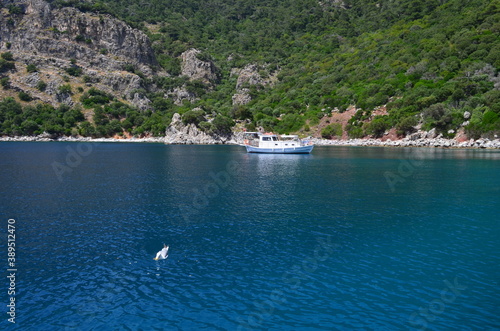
(396, 65)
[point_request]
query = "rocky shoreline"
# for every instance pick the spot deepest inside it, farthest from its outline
(405, 142)
(236, 140)
(45, 138)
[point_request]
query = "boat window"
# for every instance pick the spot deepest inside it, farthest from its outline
(266, 138)
(275, 138)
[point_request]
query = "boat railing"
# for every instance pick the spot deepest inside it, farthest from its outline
(254, 139)
(251, 142)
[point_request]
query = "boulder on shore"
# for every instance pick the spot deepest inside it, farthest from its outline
(188, 134)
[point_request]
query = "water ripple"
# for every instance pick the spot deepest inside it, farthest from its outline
(315, 242)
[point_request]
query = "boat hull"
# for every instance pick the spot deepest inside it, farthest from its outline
(281, 150)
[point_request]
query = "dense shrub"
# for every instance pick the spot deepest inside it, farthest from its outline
(74, 70)
(7, 56)
(65, 89)
(378, 126)
(6, 65)
(290, 123)
(5, 82)
(41, 85)
(37, 119)
(354, 131)
(406, 125)
(95, 97)
(332, 130)
(23, 96)
(194, 116)
(222, 125)
(31, 68)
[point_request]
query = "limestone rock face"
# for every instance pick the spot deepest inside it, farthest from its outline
(251, 74)
(196, 69)
(180, 93)
(179, 133)
(431, 134)
(55, 39)
(242, 97)
(67, 33)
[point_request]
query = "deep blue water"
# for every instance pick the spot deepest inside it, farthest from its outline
(345, 238)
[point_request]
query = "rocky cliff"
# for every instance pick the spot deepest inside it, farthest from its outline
(251, 75)
(196, 69)
(180, 133)
(104, 50)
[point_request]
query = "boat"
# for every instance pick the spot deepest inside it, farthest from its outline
(270, 143)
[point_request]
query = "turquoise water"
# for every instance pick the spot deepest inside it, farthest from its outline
(345, 238)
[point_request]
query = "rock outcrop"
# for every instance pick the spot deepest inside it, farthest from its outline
(180, 133)
(437, 142)
(181, 93)
(56, 39)
(99, 40)
(196, 69)
(250, 75)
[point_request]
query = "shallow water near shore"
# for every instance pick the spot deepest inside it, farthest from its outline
(344, 238)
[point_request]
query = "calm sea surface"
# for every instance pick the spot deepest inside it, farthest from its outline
(345, 238)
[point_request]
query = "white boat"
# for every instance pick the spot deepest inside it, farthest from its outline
(256, 142)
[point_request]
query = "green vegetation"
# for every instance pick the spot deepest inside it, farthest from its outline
(74, 70)
(427, 62)
(23, 96)
(7, 56)
(41, 85)
(32, 120)
(109, 119)
(332, 130)
(222, 125)
(194, 116)
(65, 89)
(5, 82)
(95, 97)
(15, 10)
(31, 68)
(6, 62)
